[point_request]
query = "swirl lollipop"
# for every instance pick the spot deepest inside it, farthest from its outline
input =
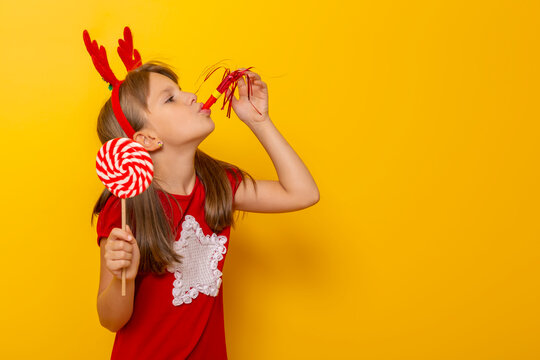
(125, 168)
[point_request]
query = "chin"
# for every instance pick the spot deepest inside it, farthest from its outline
(208, 129)
(212, 125)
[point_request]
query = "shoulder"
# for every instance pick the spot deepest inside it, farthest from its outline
(234, 173)
(235, 177)
(111, 204)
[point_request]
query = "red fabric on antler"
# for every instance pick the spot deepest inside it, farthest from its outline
(99, 58)
(130, 56)
(131, 59)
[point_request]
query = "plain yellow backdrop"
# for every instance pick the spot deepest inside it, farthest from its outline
(417, 119)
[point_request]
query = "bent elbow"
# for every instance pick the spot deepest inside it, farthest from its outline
(314, 198)
(317, 197)
(309, 201)
(109, 326)
(113, 325)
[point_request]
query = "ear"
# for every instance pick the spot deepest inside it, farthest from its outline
(147, 139)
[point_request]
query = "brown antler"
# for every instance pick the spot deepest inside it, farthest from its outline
(99, 58)
(130, 56)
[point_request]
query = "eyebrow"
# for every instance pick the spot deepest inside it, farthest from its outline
(167, 89)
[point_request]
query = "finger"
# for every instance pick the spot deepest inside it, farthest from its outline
(120, 234)
(127, 236)
(253, 75)
(244, 90)
(115, 245)
(242, 87)
(130, 237)
(115, 233)
(248, 71)
(118, 264)
(256, 82)
(121, 255)
(259, 83)
(122, 245)
(114, 255)
(128, 231)
(234, 99)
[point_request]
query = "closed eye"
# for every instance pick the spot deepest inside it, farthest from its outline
(169, 99)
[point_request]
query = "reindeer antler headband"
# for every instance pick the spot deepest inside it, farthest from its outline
(131, 59)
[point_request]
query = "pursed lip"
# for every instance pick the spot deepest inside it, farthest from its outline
(207, 111)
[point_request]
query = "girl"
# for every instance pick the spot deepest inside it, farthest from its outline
(175, 249)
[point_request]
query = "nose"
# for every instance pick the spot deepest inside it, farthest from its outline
(192, 98)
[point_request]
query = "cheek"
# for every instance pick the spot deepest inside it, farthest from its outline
(181, 123)
(178, 118)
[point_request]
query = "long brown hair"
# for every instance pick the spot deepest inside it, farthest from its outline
(144, 212)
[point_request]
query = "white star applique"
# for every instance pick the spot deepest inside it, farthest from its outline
(198, 271)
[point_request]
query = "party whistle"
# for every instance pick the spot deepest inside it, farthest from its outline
(229, 81)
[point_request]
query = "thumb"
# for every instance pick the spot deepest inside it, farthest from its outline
(128, 229)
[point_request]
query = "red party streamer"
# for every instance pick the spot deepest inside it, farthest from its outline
(229, 81)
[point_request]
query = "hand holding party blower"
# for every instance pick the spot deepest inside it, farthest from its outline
(122, 164)
(229, 80)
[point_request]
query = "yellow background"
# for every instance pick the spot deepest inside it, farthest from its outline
(418, 120)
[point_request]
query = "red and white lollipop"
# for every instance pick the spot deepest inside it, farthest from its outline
(125, 168)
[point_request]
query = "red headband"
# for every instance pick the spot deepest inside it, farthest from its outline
(131, 59)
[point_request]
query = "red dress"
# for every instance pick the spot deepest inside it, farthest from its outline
(178, 315)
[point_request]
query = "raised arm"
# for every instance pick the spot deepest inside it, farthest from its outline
(296, 188)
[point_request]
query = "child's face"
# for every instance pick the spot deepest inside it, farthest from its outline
(174, 114)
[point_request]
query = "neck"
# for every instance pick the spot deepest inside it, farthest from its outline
(175, 170)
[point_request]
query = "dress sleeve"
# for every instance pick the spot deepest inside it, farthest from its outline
(109, 217)
(234, 179)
